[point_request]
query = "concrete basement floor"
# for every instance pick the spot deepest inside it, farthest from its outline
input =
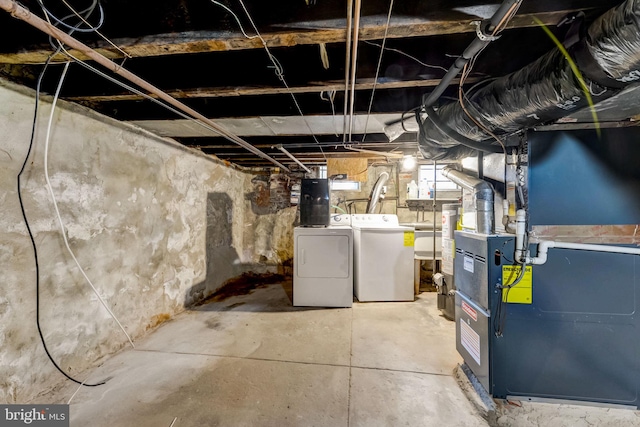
(254, 360)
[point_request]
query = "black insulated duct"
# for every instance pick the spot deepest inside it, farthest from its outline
(607, 55)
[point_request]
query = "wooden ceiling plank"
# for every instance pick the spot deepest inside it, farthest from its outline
(202, 42)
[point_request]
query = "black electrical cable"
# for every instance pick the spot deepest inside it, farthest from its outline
(500, 319)
(26, 221)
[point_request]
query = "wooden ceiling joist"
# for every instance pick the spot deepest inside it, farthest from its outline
(202, 42)
(313, 87)
(303, 156)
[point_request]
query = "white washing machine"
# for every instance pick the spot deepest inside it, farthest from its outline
(323, 264)
(383, 258)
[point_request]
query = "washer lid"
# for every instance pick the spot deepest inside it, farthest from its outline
(378, 227)
(374, 220)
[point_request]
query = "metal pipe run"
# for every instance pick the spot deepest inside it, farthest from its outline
(347, 66)
(479, 43)
(354, 60)
(292, 157)
(378, 153)
(19, 12)
(376, 193)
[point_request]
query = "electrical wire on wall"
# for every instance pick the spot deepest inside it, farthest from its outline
(46, 172)
(30, 232)
(88, 11)
(61, 47)
(57, 211)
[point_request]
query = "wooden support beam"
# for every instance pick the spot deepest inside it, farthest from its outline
(326, 146)
(221, 92)
(302, 156)
(201, 42)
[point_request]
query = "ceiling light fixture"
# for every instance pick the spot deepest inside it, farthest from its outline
(409, 163)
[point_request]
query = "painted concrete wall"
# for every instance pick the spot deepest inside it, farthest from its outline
(155, 227)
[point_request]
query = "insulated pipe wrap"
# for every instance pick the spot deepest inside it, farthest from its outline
(619, 54)
(544, 91)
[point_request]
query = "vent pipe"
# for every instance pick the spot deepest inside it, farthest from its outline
(482, 196)
(376, 193)
(607, 56)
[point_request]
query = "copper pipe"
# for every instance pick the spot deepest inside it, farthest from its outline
(25, 15)
(354, 58)
(346, 68)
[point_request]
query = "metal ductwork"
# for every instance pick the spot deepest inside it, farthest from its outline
(482, 196)
(607, 55)
(376, 193)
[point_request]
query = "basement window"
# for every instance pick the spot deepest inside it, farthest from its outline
(442, 183)
(339, 185)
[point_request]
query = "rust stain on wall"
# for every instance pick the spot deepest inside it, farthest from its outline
(158, 319)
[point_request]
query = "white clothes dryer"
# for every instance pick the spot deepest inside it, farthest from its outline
(323, 264)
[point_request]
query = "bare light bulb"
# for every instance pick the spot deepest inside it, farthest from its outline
(408, 163)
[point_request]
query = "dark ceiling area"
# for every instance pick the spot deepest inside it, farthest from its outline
(196, 51)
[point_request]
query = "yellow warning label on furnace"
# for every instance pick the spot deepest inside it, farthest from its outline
(409, 238)
(520, 293)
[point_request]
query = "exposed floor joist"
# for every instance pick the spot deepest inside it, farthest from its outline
(313, 87)
(201, 42)
(273, 125)
(325, 145)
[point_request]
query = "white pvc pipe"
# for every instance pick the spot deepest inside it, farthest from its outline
(543, 248)
(521, 229)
